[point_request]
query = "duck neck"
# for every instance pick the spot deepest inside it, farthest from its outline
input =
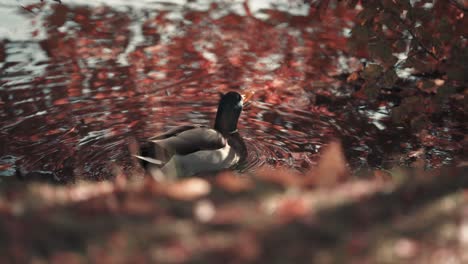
(226, 121)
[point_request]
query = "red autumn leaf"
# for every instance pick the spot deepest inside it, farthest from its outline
(187, 189)
(234, 183)
(61, 101)
(332, 166)
(282, 176)
(290, 208)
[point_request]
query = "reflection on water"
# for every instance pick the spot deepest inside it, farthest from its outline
(78, 81)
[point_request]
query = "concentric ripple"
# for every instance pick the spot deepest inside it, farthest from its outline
(77, 81)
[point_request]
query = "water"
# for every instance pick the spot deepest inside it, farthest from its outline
(77, 81)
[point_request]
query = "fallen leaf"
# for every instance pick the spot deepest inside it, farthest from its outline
(281, 176)
(61, 101)
(138, 206)
(290, 208)
(353, 77)
(66, 257)
(405, 248)
(331, 166)
(372, 71)
(248, 246)
(204, 210)
(187, 189)
(233, 183)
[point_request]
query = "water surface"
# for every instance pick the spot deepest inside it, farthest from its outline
(79, 79)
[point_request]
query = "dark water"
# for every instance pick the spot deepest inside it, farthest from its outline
(77, 81)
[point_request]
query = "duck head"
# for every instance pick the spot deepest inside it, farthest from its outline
(229, 109)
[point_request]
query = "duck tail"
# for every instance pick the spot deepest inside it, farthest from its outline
(143, 152)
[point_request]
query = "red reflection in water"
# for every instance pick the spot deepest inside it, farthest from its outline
(111, 74)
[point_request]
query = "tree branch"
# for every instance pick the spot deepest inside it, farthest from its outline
(459, 5)
(400, 21)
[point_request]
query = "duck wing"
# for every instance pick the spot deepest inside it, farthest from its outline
(173, 132)
(192, 140)
(181, 140)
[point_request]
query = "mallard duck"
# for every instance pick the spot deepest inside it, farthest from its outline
(191, 149)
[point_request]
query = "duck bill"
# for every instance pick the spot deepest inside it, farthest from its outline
(246, 98)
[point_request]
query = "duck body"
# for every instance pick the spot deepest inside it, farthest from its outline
(189, 150)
